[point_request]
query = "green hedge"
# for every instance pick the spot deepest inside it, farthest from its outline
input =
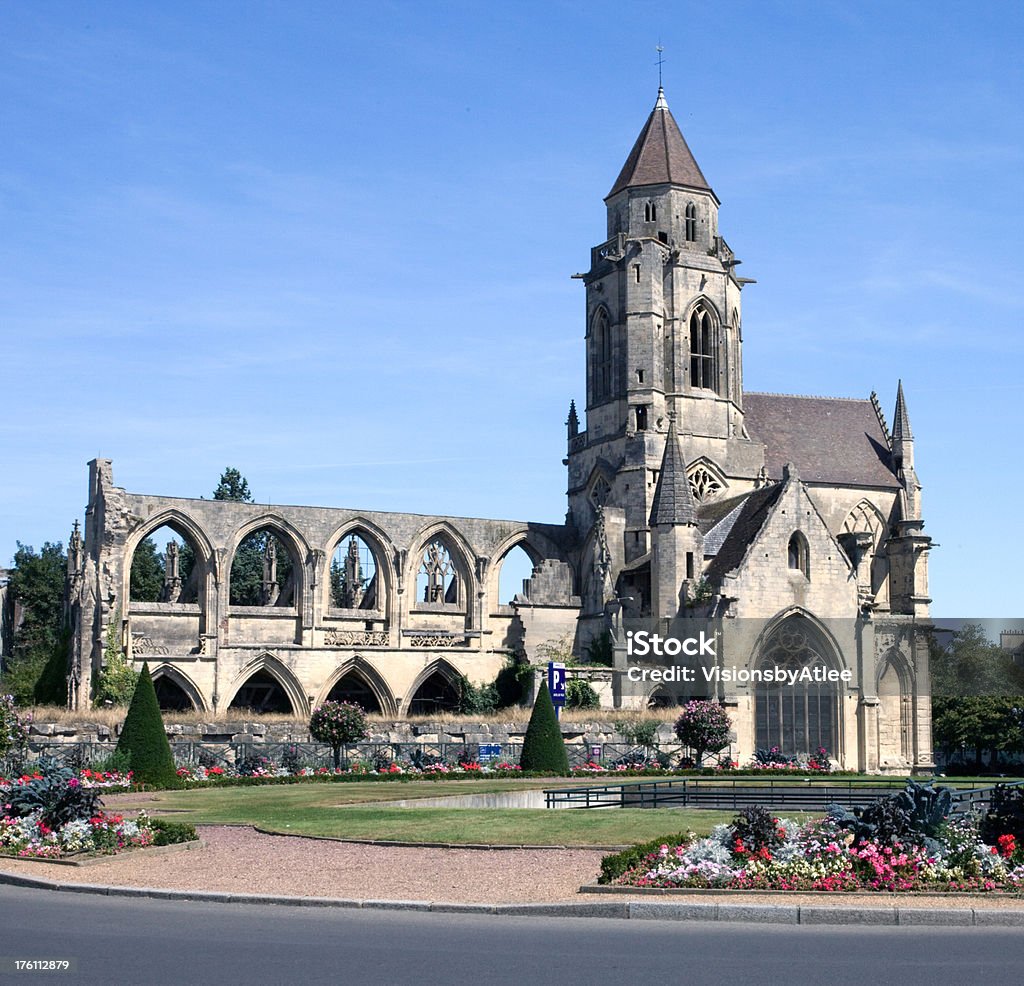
(167, 833)
(616, 864)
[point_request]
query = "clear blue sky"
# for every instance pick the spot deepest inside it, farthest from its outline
(331, 243)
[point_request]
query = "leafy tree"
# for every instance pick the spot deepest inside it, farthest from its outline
(704, 727)
(144, 740)
(977, 690)
(51, 687)
(147, 578)
(338, 723)
(543, 746)
(37, 587)
(233, 486)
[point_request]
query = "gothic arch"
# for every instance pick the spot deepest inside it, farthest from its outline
(894, 686)
(182, 680)
(383, 551)
(185, 527)
(461, 555)
(293, 540)
(703, 327)
(274, 667)
(707, 481)
(801, 717)
(601, 352)
(440, 668)
(865, 517)
(359, 667)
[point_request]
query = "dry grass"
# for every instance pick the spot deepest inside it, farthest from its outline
(115, 716)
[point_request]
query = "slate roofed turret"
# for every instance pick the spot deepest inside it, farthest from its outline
(660, 155)
(673, 502)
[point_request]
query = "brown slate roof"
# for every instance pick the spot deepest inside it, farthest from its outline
(660, 155)
(744, 529)
(673, 502)
(829, 439)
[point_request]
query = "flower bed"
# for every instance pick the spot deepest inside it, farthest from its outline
(55, 812)
(762, 852)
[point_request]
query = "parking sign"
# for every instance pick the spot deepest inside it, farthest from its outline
(556, 682)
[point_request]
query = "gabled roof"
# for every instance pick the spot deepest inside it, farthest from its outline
(660, 155)
(752, 516)
(673, 502)
(830, 440)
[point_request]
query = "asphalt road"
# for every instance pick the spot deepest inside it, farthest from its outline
(116, 941)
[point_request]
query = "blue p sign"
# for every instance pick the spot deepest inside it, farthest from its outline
(556, 682)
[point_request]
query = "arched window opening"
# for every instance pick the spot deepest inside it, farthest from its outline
(600, 492)
(799, 718)
(650, 212)
(164, 569)
(691, 223)
(798, 555)
(170, 696)
(263, 571)
(704, 485)
(516, 568)
(602, 348)
(703, 355)
(641, 418)
(262, 692)
(438, 579)
(353, 688)
(353, 575)
(436, 694)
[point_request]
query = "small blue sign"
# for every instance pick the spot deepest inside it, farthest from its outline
(556, 682)
(489, 751)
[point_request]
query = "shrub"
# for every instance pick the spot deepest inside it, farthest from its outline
(601, 650)
(117, 680)
(580, 695)
(338, 724)
(144, 740)
(543, 746)
(637, 729)
(13, 729)
(1005, 815)
(704, 727)
(756, 828)
(166, 833)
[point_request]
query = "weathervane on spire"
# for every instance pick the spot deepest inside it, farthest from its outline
(659, 48)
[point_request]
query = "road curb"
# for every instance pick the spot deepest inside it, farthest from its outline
(637, 910)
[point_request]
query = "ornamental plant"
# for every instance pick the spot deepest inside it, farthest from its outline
(338, 724)
(13, 729)
(543, 746)
(144, 740)
(704, 727)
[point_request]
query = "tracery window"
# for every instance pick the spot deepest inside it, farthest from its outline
(802, 717)
(703, 350)
(704, 485)
(438, 580)
(691, 223)
(353, 575)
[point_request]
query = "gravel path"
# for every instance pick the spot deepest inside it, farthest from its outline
(238, 859)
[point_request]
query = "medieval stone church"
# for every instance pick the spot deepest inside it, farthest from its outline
(787, 527)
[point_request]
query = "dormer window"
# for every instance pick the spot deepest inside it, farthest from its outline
(650, 212)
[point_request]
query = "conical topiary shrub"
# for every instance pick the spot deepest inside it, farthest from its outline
(144, 740)
(543, 746)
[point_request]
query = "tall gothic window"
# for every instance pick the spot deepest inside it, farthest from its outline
(650, 212)
(691, 223)
(602, 356)
(703, 356)
(802, 717)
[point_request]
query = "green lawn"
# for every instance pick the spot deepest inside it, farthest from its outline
(341, 811)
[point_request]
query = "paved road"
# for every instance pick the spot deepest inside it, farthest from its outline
(152, 942)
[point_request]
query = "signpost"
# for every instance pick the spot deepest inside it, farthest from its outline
(489, 751)
(556, 685)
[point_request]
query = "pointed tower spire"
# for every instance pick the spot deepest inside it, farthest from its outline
(900, 419)
(573, 421)
(660, 155)
(673, 504)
